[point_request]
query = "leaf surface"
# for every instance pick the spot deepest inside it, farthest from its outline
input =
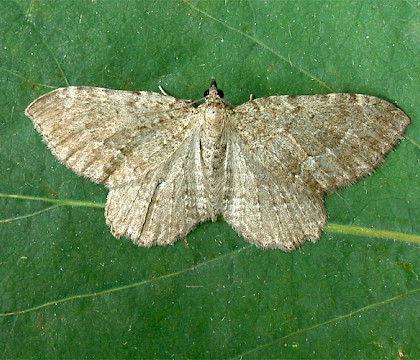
(68, 289)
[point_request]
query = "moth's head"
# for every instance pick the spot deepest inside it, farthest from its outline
(213, 94)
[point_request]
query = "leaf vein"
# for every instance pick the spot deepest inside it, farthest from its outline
(332, 321)
(262, 44)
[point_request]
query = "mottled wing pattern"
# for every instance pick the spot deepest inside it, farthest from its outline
(143, 146)
(284, 152)
(325, 141)
(265, 210)
(164, 205)
(110, 136)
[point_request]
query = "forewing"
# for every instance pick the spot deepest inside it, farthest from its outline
(323, 141)
(164, 204)
(111, 136)
(265, 210)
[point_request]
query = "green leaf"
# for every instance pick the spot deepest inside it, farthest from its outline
(68, 289)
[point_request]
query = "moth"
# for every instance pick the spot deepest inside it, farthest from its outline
(169, 165)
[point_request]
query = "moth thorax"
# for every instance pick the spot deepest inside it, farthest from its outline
(213, 138)
(213, 153)
(214, 120)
